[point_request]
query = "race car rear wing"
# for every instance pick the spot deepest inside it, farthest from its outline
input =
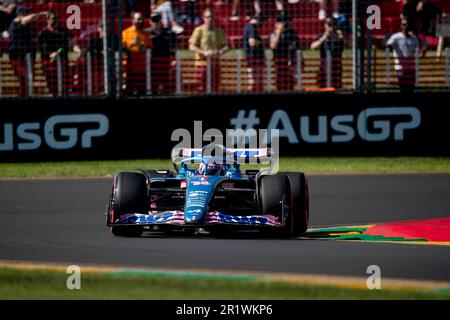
(230, 156)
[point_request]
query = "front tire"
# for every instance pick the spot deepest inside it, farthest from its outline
(299, 213)
(129, 196)
(272, 190)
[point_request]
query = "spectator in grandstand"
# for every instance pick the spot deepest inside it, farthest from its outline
(409, 13)
(96, 42)
(285, 43)
(323, 9)
(54, 41)
(7, 15)
(331, 45)
(95, 48)
(131, 6)
(135, 42)
(279, 4)
(164, 8)
(428, 13)
(163, 56)
(22, 44)
(254, 52)
(187, 12)
(192, 13)
(209, 43)
(405, 45)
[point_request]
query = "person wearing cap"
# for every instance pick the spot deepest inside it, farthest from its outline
(254, 53)
(54, 41)
(22, 44)
(331, 46)
(208, 42)
(163, 56)
(136, 41)
(285, 43)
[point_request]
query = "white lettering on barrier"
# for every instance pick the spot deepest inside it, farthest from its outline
(67, 137)
(388, 123)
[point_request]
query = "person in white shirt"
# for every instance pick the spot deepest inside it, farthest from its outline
(405, 45)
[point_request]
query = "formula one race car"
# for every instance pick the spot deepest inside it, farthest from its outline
(210, 194)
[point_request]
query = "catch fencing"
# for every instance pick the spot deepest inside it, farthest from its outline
(251, 47)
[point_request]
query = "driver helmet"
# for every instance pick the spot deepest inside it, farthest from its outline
(210, 169)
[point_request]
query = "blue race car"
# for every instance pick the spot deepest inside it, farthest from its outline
(210, 194)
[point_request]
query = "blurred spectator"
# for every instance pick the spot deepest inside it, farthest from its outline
(208, 42)
(21, 44)
(279, 4)
(284, 42)
(164, 8)
(323, 9)
(192, 12)
(405, 45)
(254, 53)
(163, 56)
(130, 6)
(7, 15)
(235, 9)
(188, 12)
(428, 14)
(409, 13)
(135, 42)
(54, 45)
(331, 43)
(96, 42)
(95, 48)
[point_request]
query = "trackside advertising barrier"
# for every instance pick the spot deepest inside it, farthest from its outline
(309, 124)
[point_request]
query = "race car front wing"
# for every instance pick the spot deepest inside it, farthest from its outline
(211, 218)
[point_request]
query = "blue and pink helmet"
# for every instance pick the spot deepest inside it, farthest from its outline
(211, 169)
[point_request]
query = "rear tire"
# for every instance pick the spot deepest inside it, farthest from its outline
(129, 196)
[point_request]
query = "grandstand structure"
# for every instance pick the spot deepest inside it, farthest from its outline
(94, 62)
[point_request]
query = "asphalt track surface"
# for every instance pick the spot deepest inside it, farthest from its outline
(62, 221)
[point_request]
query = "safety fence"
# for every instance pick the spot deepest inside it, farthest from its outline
(185, 75)
(388, 73)
(97, 48)
(53, 78)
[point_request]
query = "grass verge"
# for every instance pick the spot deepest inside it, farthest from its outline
(310, 165)
(49, 284)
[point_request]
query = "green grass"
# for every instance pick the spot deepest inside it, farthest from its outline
(310, 165)
(350, 165)
(45, 284)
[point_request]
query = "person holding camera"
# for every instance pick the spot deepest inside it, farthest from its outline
(331, 46)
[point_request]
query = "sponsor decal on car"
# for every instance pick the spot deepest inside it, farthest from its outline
(227, 185)
(201, 183)
(214, 217)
